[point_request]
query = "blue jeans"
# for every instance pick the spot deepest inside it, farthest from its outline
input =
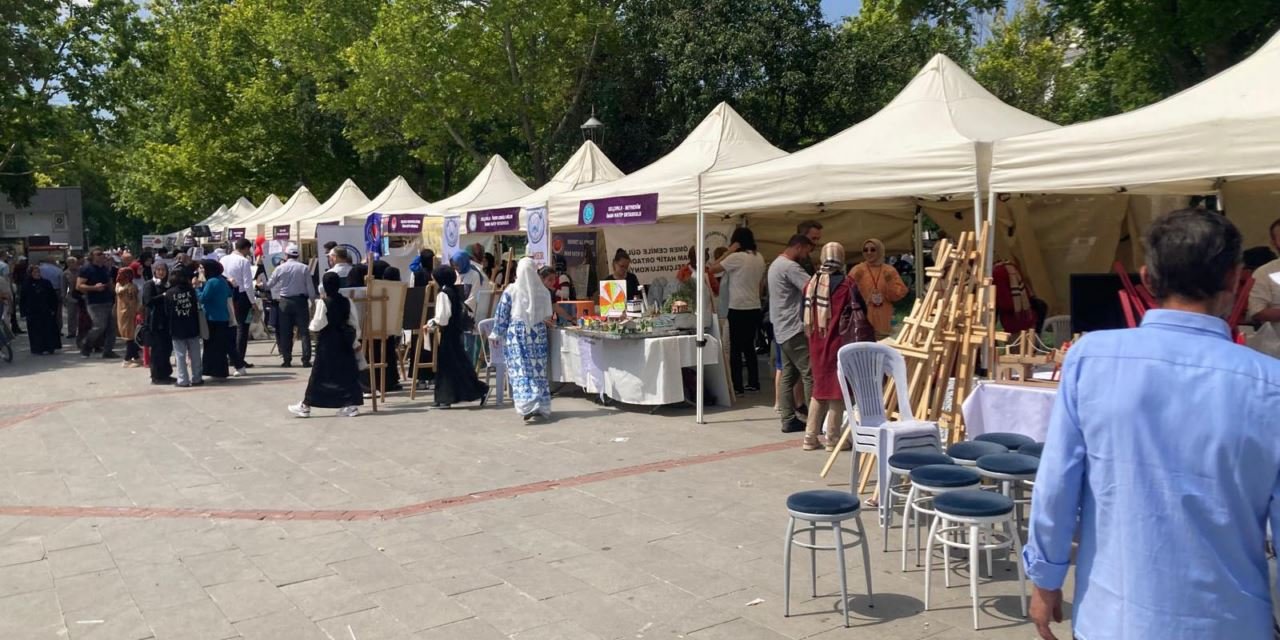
(184, 348)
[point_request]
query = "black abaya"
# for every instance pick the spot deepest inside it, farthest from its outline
(456, 379)
(335, 377)
(217, 349)
(40, 306)
(158, 337)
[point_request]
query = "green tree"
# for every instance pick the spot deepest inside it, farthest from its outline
(1026, 63)
(58, 56)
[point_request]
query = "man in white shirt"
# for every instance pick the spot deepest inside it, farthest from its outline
(1264, 298)
(340, 258)
(237, 268)
(292, 281)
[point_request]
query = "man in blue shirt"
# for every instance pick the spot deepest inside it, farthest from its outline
(1163, 452)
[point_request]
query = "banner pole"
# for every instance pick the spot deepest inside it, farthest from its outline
(700, 315)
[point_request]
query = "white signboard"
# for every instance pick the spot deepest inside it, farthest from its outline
(539, 247)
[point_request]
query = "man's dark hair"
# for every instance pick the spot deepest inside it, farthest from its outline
(1190, 254)
(242, 244)
(745, 238)
(341, 253)
(804, 227)
(329, 245)
(799, 240)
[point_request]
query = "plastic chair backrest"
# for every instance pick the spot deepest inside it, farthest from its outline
(492, 356)
(1060, 327)
(861, 368)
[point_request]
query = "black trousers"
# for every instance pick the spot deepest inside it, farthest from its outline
(244, 310)
(161, 352)
(293, 315)
(744, 324)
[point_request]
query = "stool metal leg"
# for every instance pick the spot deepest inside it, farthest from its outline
(973, 570)
(866, 559)
(906, 523)
(786, 567)
(838, 532)
(946, 557)
(1016, 543)
(813, 560)
(928, 560)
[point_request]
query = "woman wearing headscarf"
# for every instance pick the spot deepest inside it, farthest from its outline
(520, 330)
(334, 382)
(469, 278)
(215, 300)
(157, 323)
(833, 317)
(128, 302)
(456, 379)
(880, 285)
(40, 306)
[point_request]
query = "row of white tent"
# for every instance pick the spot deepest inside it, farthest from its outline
(944, 147)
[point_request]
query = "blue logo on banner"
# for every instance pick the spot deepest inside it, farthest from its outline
(537, 225)
(451, 232)
(588, 213)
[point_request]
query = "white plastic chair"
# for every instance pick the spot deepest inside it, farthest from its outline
(494, 364)
(1057, 326)
(862, 367)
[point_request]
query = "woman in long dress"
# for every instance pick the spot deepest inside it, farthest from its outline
(880, 285)
(520, 326)
(334, 381)
(215, 299)
(834, 315)
(128, 302)
(157, 323)
(456, 379)
(40, 306)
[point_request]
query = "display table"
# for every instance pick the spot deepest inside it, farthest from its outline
(642, 371)
(994, 407)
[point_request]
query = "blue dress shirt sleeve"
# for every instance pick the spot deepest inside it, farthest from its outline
(1056, 501)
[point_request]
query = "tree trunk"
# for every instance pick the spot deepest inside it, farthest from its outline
(537, 153)
(466, 146)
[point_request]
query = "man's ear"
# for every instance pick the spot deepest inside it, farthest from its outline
(1146, 278)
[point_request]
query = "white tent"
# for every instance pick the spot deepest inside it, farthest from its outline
(495, 184)
(723, 140)
(398, 195)
(933, 140)
(346, 199)
(219, 213)
(298, 204)
(268, 206)
(1225, 128)
(242, 207)
(588, 166)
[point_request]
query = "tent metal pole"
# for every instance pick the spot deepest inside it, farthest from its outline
(700, 315)
(991, 224)
(977, 214)
(918, 246)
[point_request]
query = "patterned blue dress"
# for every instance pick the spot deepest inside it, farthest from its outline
(525, 350)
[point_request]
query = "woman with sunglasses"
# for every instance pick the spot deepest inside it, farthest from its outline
(880, 286)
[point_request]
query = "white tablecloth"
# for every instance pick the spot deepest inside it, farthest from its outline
(635, 371)
(994, 408)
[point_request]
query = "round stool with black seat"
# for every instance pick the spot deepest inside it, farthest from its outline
(967, 453)
(1034, 449)
(926, 482)
(833, 507)
(1011, 470)
(1011, 441)
(901, 464)
(967, 519)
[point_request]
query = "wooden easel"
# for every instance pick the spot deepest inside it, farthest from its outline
(1020, 358)
(943, 339)
(374, 338)
(420, 338)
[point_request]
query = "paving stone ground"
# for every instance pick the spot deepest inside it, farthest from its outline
(133, 512)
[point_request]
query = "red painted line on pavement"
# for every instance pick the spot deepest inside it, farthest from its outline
(439, 504)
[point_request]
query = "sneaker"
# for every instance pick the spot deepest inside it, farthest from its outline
(110, 355)
(184, 385)
(794, 425)
(306, 364)
(286, 365)
(751, 389)
(198, 383)
(369, 394)
(85, 353)
(349, 412)
(239, 372)
(300, 410)
(249, 365)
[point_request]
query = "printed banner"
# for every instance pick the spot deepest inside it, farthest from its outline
(349, 236)
(372, 235)
(404, 224)
(451, 238)
(153, 242)
(637, 209)
(235, 233)
(536, 232)
(493, 220)
(215, 237)
(658, 252)
(281, 231)
(274, 254)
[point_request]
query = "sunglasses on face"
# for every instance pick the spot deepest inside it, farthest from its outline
(868, 249)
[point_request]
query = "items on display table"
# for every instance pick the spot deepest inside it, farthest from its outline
(658, 326)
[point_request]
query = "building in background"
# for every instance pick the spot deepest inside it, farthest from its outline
(54, 213)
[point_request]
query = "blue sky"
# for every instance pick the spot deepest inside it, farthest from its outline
(836, 10)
